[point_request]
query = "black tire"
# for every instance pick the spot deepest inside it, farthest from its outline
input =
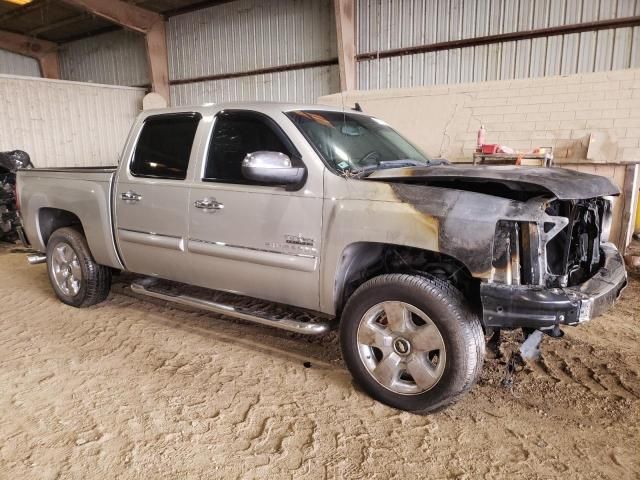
(96, 279)
(458, 326)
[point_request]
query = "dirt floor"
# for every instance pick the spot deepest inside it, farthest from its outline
(135, 389)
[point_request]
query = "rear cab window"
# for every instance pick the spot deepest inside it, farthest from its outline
(164, 146)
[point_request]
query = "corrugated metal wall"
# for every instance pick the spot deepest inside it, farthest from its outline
(249, 35)
(390, 24)
(13, 64)
(115, 58)
(304, 85)
(66, 124)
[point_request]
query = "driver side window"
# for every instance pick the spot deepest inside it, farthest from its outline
(235, 134)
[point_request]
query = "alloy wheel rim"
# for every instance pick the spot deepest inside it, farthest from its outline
(401, 348)
(66, 269)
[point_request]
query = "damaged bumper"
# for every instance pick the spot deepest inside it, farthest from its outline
(510, 306)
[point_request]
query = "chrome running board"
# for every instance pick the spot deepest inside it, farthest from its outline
(256, 311)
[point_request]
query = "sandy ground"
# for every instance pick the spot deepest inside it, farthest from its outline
(134, 389)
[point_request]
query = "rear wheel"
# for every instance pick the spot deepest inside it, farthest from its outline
(411, 342)
(75, 277)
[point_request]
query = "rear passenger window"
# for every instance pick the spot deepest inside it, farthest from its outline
(237, 133)
(164, 146)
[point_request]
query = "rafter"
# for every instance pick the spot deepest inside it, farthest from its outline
(116, 11)
(45, 52)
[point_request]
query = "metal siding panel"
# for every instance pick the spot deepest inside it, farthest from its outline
(570, 51)
(494, 54)
(623, 38)
(523, 59)
(607, 9)
(480, 63)
(249, 34)
(507, 61)
(557, 9)
(541, 14)
(387, 24)
(590, 10)
(604, 50)
(115, 58)
(538, 57)
(14, 64)
(304, 85)
(635, 50)
(467, 64)
(496, 17)
(587, 52)
(453, 71)
(66, 124)
(553, 59)
(442, 66)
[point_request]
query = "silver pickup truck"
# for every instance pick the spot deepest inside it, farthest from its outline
(304, 217)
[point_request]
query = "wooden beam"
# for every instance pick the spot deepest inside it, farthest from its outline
(23, 45)
(45, 52)
(346, 31)
(151, 24)
(123, 13)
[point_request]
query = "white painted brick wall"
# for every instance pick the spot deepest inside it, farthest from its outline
(560, 112)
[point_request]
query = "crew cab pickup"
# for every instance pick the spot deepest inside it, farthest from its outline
(306, 217)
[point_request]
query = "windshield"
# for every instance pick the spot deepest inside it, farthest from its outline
(350, 143)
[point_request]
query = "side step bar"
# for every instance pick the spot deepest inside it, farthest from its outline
(36, 259)
(243, 313)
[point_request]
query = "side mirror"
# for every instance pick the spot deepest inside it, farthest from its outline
(271, 167)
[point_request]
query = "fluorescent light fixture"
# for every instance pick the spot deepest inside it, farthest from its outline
(19, 2)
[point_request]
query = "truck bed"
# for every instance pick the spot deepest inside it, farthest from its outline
(84, 192)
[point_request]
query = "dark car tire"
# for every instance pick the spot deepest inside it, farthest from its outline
(460, 333)
(95, 280)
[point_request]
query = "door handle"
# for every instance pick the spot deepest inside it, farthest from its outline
(131, 196)
(208, 204)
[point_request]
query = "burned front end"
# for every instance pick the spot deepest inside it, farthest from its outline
(556, 269)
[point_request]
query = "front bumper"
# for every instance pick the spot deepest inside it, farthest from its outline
(513, 306)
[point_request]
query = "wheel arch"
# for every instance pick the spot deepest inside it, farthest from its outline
(51, 219)
(361, 261)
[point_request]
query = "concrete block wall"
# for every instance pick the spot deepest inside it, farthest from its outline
(561, 112)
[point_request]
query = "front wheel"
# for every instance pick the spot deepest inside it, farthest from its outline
(411, 342)
(75, 276)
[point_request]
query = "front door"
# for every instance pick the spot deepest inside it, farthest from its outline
(256, 240)
(152, 197)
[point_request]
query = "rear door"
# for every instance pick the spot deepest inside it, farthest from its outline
(152, 195)
(257, 240)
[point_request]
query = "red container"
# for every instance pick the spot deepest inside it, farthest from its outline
(490, 148)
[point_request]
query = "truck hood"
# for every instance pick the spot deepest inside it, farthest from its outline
(504, 180)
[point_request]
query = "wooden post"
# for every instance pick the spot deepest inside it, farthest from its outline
(50, 65)
(346, 32)
(45, 52)
(150, 23)
(158, 60)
